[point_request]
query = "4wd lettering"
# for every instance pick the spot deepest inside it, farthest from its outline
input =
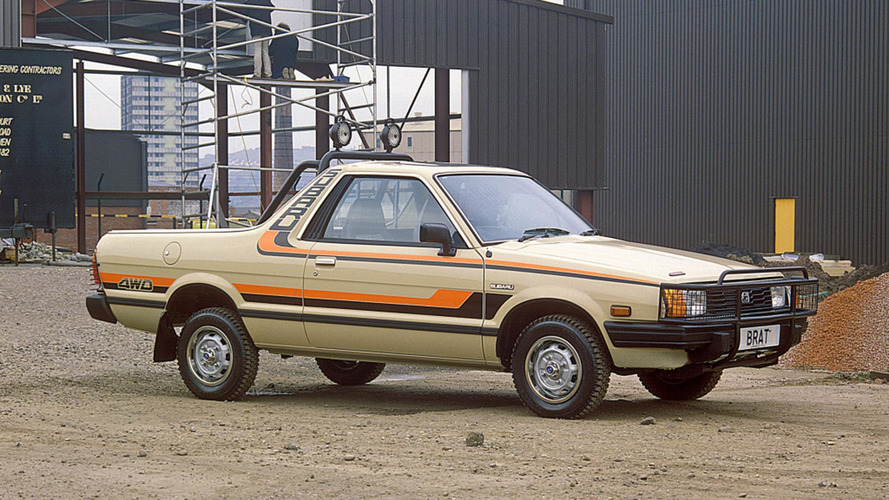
(306, 199)
(136, 284)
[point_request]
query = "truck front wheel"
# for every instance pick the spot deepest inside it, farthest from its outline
(217, 358)
(659, 383)
(560, 367)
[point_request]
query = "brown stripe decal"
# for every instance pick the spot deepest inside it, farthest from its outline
(493, 303)
(520, 266)
(471, 307)
(270, 294)
(454, 303)
(275, 243)
(403, 257)
(273, 299)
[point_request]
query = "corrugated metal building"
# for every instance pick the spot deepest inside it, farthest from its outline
(721, 107)
(536, 77)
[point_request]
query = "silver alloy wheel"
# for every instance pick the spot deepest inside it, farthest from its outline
(552, 369)
(209, 355)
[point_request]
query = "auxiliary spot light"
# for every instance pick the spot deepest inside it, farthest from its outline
(340, 132)
(391, 135)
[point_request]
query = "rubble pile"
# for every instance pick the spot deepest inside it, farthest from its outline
(730, 252)
(38, 252)
(827, 284)
(850, 331)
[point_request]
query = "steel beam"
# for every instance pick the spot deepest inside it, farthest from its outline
(222, 145)
(442, 115)
(146, 195)
(81, 160)
(29, 19)
(584, 204)
(265, 147)
(125, 62)
(322, 124)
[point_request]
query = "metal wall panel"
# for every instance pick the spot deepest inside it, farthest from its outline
(10, 23)
(718, 107)
(537, 90)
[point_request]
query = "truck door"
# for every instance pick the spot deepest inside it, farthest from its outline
(371, 286)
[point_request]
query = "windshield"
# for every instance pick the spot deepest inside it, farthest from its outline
(508, 207)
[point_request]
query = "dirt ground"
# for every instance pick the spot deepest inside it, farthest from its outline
(85, 413)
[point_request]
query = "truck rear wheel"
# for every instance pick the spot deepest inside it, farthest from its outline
(560, 367)
(217, 358)
(349, 372)
(660, 384)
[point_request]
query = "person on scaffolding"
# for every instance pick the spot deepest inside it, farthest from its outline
(260, 27)
(283, 52)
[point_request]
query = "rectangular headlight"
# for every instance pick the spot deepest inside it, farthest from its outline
(684, 303)
(780, 296)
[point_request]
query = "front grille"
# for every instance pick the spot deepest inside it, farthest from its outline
(723, 303)
(734, 301)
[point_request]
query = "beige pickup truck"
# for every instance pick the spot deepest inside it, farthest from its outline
(395, 261)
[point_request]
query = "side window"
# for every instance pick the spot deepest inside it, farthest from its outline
(385, 210)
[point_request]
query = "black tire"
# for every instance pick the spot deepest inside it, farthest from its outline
(660, 384)
(560, 367)
(217, 358)
(349, 372)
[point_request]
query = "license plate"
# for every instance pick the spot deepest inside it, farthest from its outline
(758, 337)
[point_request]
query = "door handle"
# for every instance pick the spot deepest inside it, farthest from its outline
(325, 261)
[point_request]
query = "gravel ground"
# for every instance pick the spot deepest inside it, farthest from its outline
(84, 413)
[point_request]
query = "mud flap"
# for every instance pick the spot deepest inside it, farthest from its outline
(166, 340)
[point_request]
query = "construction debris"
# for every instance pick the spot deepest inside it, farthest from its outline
(828, 283)
(730, 252)
(36, 252)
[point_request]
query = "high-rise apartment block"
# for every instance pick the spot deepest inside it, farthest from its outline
(152, 103)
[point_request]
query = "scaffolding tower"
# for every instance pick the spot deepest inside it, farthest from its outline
(346, 37)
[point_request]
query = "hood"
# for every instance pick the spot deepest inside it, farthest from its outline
(632, 260)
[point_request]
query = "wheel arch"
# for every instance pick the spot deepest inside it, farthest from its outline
(523, 314)
(194, 295)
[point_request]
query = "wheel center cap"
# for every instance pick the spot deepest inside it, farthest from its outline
(552, 369)
(210, 357)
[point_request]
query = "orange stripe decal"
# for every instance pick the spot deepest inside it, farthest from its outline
(565, 270)
(397, 256)
(450, 299)
(267, 243)
(268, 290)
(115, 278)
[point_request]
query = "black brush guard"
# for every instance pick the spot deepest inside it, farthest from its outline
(712, 335)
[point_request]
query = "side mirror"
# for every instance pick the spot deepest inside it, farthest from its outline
(438, 233)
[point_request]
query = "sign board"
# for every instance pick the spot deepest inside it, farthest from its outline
(36, 136)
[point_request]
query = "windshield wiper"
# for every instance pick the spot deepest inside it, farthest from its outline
(590, 232)
(542, 232)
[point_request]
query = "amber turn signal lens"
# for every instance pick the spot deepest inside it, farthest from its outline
(621, 311)
(675, 303)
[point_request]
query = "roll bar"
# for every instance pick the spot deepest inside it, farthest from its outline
(322, 165)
